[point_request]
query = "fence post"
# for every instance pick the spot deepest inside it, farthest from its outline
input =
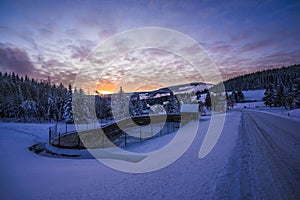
(173, 126)
(103, 134)
(151, 130)
(160, 127)
(66, 127)
(125, 139)
(78, 139)
(140, 133)
(49, 135)
(168, 128)
(59, 139)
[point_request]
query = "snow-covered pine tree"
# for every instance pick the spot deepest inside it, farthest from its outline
(241, 96)
(68, 112)
(173, 105)
(198, 95)
(230, 101)
(29, 108)
(281, 97)
(296, 93)
(80, 107)
(270, 96)
(207, 102)
(138, 106)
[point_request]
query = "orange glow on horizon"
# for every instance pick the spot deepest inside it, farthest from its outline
(105, 88)
(104, 92)
(108, 87)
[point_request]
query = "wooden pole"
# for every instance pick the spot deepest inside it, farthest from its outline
(160, 126)
(125, 139)
(173, 125)
(168, 128)
(103, 139)
(49, 135)
(140, 133)
(151, 130)
(59, 139)
(78, 140)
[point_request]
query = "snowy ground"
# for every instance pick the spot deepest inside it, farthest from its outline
(30, 176)
(247, 159)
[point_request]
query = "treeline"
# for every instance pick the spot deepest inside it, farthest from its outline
(23, 98)
(28, 100)
(262, 79)
(278, 95)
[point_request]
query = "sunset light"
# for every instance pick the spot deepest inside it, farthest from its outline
(149, 99)
(104, 92)
(105, 88)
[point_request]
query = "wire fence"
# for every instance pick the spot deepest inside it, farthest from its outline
(99, 134)
(141, 133)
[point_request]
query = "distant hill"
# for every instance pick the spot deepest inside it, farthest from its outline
(177, 89)
(262, 79)
(190, 88)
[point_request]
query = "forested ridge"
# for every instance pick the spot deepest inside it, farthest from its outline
(25, 99)
(262, 79)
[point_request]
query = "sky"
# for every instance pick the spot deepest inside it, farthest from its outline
(56, 38)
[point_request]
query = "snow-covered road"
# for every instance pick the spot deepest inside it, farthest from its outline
(269, 153)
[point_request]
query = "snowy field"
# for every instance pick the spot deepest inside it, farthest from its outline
(30, 176)
(256, 157)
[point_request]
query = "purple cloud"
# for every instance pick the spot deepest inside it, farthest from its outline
(260, 44)
(79, 52)
(15, 60)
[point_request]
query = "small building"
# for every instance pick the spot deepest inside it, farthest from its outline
(189, 112)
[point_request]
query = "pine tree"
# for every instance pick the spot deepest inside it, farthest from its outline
(240, 96)
(296, 93)
(68, 112)
(198, 95)
(270, 96)
(207, 102)
(281, 97)
(80, 107)
(172, 107)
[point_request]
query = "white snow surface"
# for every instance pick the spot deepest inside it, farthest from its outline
(257, 159)
(254, 95)
(26, 175)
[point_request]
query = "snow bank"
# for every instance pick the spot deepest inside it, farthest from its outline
(294, 113)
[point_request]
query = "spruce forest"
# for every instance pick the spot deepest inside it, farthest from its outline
(27, 100)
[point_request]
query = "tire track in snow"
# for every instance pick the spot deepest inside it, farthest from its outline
(270, 167)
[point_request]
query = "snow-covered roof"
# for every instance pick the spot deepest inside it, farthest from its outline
(189, 108)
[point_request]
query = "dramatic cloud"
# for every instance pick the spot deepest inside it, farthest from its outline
(14, 59)
(256, 45)
(53, 38)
